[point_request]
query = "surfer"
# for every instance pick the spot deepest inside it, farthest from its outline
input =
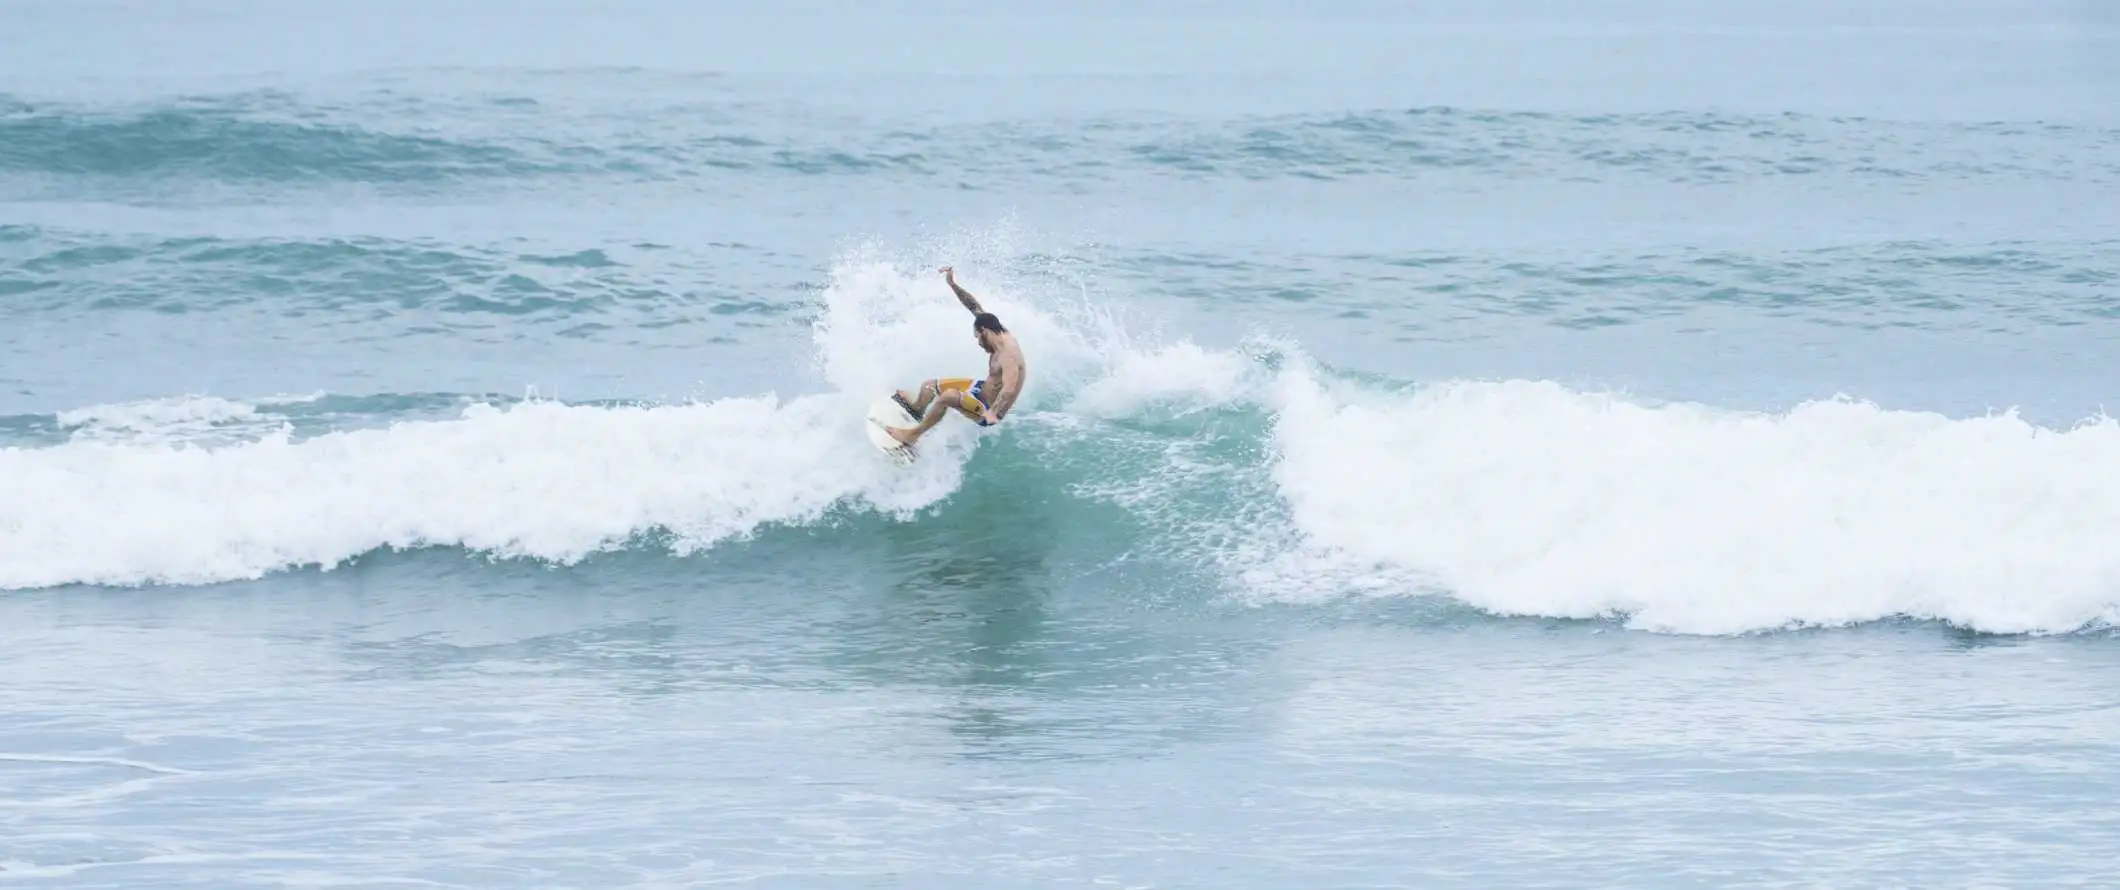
(984, 401)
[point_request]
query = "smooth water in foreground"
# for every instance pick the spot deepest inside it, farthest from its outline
(420, 720)
(1466, 447)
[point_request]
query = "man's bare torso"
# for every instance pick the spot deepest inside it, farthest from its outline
(1004, 365)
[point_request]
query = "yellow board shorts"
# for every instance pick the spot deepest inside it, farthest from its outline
(973, 404)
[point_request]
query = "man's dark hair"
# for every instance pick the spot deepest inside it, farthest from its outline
(988, 321)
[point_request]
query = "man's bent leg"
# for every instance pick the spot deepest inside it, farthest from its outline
(929, 418)
(913, 407)
(929, 388)
(918, 404)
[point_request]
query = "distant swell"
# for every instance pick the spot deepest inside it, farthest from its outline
(283, 138)
(229, 146)
(360, 281)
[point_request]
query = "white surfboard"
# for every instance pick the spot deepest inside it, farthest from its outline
(886, 412)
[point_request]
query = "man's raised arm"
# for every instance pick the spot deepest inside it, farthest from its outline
(963, 296)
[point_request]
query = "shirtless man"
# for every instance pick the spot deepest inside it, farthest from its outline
(985, 401)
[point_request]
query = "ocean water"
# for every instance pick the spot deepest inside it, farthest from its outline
(1474, 445)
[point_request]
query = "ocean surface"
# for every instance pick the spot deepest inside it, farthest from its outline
(1479, 445)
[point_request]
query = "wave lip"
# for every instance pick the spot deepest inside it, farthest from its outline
(1526, 498)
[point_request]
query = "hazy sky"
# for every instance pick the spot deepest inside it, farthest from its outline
(1914, 58)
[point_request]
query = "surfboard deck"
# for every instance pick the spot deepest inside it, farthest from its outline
(886, 412)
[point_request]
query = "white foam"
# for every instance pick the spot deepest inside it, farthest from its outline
(1526, 498)
(890, 325)
(180, 418)
(538, 479)
(1183, 377)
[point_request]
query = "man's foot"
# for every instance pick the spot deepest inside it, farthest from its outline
(905, 437)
